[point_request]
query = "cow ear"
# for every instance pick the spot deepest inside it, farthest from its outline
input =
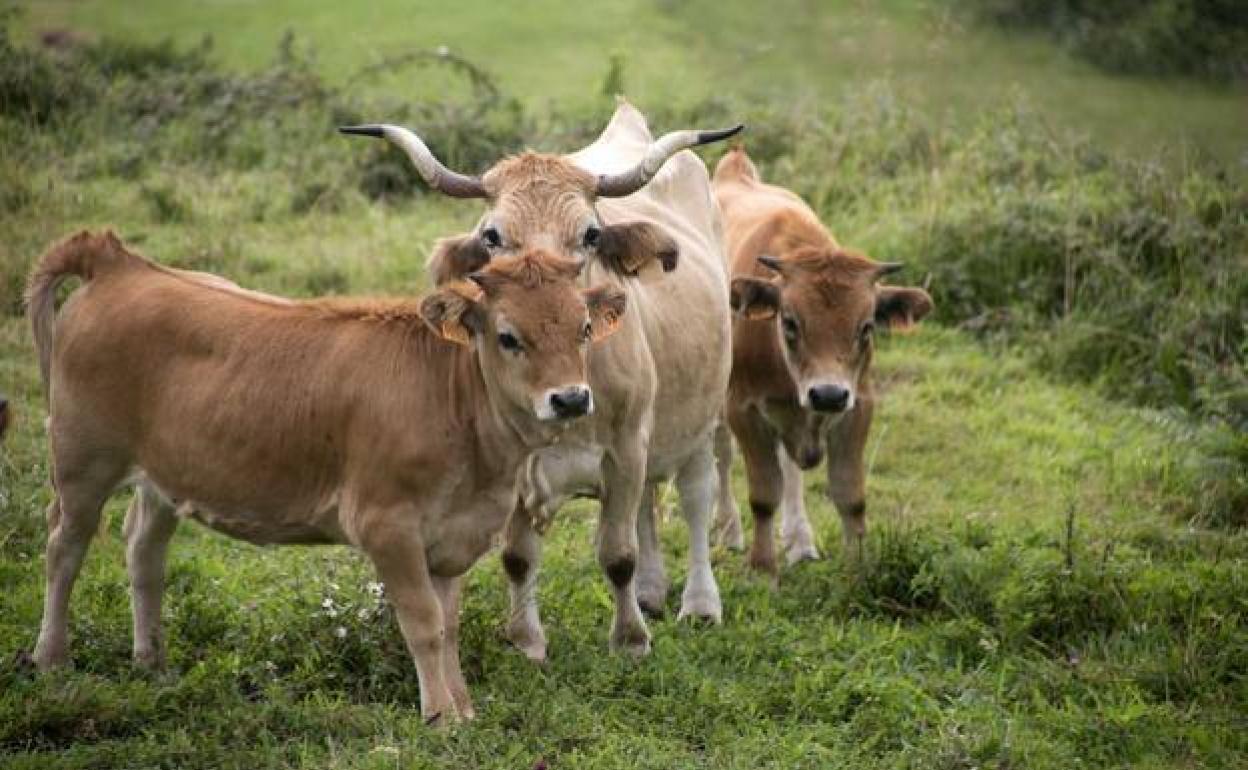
(901, 308)
(455, 257)
(606, 309)
(754, 299)
(453, 313)
(629, 247)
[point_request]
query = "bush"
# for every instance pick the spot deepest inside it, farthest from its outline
(1204, 38)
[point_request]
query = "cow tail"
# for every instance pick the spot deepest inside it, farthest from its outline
(84, 255)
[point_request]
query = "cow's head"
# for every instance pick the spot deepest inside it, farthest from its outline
(826, 305)
(546, 202)
(531, 326)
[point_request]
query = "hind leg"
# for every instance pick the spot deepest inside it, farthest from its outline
(150, 523)
(73, 518)
(697, 483)
(651, 574)
(728, 516)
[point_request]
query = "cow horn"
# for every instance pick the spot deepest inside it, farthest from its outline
(888, 268)
(632, 180)
(439, 177)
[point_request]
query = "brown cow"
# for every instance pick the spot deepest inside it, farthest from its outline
(806, 311)
(396, 426)
(659, 383)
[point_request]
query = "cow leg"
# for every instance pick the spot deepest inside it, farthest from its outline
(728, 517)
(448, 590)
(522, 552)
(760, 450)
(795, 530)
(697, 481)
(400, 561)
(651, 575)
(73, 517)
(624, 477)
(150, 523)
(847, 487)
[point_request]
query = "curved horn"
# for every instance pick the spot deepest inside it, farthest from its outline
(888, 268)
(439, 177)
(629, 182)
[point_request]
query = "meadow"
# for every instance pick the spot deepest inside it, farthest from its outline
(1055, 574)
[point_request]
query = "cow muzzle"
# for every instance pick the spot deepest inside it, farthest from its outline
(565, 403)
(830, 397)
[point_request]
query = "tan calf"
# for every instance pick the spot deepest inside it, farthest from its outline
(396, 426)
(806, 313)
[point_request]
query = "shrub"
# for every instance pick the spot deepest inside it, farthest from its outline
(1205, 38)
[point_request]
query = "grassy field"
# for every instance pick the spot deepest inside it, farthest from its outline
(1045, 584)
(932, 56)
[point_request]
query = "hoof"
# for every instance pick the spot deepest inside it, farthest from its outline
(652, 598)
(702, 606)
(528, 640)
(635, 644)
(797, 554)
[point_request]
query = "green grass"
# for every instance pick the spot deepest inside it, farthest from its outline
(965, 637)
(1038, 590)
(796, 51)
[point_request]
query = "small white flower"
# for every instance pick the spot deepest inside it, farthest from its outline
(443, 51)
(340, 632)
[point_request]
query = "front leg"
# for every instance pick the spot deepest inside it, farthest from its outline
(623, 474)
(448, 590)
(399, 556)
(760, 449)
(522, 553)
(795, 530)
(697, 482)
(847, 488)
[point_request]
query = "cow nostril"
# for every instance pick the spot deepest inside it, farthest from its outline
(828, 398)
(570, 402)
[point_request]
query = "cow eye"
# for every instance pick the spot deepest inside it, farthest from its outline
(492, 238)
(592, 236)
(868, 328)
(586, 331)
(507, 341)
(789, 324)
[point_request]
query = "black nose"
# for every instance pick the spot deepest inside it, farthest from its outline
(828, 398)
(570, 402)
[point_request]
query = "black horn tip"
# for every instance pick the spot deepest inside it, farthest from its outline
(706, 137)
(373, 131)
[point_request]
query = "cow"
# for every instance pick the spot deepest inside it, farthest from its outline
(805, 315)
(622, 203)
(393, 425)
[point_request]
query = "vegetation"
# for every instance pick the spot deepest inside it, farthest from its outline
(1205, 38)
(1056, 569)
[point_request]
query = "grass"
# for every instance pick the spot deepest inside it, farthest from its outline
(975, 632)
(1039, 587)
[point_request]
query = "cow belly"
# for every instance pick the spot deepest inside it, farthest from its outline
(259, 529)
(316, 525)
